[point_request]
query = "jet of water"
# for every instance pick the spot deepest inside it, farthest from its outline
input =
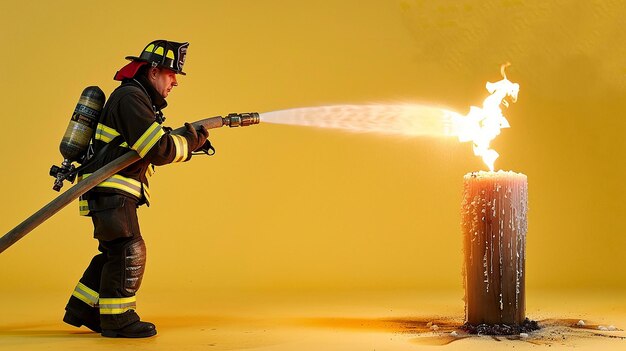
(480, 125)
(398, 119)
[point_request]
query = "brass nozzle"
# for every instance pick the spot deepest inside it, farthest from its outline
(242, 119)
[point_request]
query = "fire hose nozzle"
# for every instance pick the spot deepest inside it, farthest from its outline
(242, 119)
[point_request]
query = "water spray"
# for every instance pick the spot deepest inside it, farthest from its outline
(396, 119)
(480, 126)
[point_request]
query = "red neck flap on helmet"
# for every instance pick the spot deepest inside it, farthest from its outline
(129, 71)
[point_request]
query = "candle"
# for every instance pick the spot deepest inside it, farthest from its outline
(494, 232)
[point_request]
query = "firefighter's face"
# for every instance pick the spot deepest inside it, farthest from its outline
(163, 80)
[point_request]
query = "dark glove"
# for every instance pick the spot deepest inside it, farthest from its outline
(195, 139)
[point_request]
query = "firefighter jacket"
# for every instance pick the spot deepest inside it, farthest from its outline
(133, 112)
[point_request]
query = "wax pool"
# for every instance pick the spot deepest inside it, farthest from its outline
(494, 232)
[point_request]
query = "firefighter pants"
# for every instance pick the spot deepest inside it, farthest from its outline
(105, 294)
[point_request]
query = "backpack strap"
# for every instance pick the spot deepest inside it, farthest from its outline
(117, 141)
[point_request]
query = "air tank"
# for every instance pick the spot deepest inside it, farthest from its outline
(83, 124)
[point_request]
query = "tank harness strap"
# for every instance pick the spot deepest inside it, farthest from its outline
(117, 141)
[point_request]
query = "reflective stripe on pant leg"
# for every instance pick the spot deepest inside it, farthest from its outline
(85, 294)
(116, 309)
(117, 305)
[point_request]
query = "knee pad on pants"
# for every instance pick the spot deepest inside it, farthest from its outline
(134, 265)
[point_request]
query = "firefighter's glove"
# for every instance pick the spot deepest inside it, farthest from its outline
(195, 139)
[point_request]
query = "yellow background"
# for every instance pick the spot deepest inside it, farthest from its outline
(296, 209)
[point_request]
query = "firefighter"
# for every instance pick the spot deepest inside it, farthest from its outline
(104, 298)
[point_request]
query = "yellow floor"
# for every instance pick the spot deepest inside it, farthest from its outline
(314, 321)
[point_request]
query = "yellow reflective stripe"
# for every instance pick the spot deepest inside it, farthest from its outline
(148, 139)
(117, 305)
(85, 294)
(128, 185)
(116, 310)
(87, 290)
(146, 193)
(159, 50)
(150, 171)
(150, 48)
(83, 207)
(117, 300)
(105, 133)
(182, 148)
(170, 54)
(119, 182)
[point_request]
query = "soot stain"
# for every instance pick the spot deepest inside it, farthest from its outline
(545, 332)
(440, 331)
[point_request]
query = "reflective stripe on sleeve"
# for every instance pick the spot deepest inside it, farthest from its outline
(148, 139)
(105, 133)
(117, 305)
(85, 294)
(182, 148)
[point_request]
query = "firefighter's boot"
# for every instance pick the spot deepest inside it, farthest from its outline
(76, 321)
(137, 329)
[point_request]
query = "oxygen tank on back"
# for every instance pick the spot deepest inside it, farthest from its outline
(78, 134)
(83, 124)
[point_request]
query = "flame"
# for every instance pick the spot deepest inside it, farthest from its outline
(482, 125)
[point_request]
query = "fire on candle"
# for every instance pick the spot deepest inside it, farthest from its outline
(482, 125)
(494, 224)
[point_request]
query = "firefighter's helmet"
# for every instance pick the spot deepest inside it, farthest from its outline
(163, 53)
